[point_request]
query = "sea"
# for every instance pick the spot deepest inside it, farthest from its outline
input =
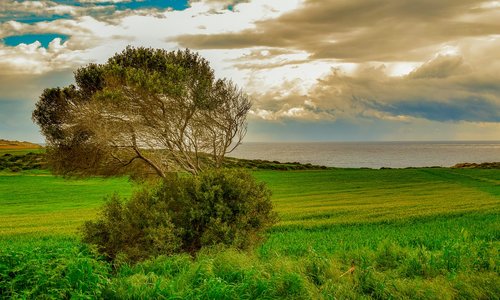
(373, 154)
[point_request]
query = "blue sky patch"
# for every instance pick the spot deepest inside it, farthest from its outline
(159, 4)
(70, 2)
(31, 18)
(231, 6)
(44, 39)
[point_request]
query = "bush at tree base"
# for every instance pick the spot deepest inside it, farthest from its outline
(184, 214)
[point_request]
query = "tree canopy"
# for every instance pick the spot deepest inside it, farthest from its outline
(145, 111)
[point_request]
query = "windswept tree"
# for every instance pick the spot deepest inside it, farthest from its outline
(145, 111)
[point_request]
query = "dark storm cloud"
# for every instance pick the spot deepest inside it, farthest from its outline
(465, 109)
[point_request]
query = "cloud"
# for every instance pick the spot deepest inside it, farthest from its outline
(80, 29)
(35, 11)
(440, 67)
(17, 101)
(35, 59)
(458, 109)
(444, 89)
(31, 12)
(369, 130)
(359, 30)
(29, 87)
(147, 27)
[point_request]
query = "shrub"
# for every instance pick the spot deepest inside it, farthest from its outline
(134, 230)
(184, 214)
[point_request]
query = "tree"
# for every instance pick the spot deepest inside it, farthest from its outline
(144, 111)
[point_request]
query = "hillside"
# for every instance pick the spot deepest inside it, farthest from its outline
(6, 144)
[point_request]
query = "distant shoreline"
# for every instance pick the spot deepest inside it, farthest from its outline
(23, 159)
(296, 158)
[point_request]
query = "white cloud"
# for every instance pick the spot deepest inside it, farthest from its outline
(36, 8)
(35, 59)
(63, 9)
(11, 5)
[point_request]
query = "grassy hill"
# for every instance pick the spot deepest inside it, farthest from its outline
(16, 156)
(17, 145)
(430, 233)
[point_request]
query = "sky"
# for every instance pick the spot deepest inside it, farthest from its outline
(329, 70)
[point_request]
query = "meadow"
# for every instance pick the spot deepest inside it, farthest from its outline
(428, 233)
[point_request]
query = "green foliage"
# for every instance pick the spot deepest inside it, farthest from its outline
(132, 231)
(184, 213)
(34, 159)
(218, 273)
(51, 111)
(229, 274)
(259, 164)
(214, 274)
(219, 207)
(51, 269)
(18, 162)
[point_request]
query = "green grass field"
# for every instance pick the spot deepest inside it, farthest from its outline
(430, 233)
(38, 203)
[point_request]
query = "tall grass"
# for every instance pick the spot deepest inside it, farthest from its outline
(50, 268)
